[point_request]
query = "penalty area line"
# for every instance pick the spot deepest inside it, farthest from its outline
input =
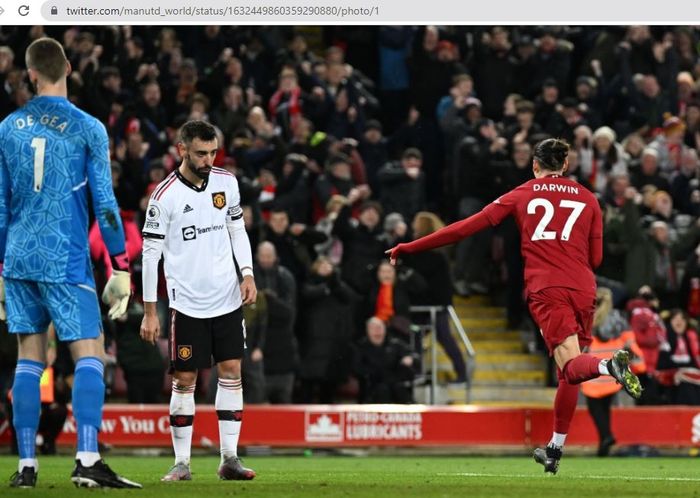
(603, 478)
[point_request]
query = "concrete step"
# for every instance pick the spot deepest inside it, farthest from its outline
(466, 311)
(498, 378)
(483, 323)
(471, 301)
(497, 347)
(493, 335)
(509, 362)
(481, 394)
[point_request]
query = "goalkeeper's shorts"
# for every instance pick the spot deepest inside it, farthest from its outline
(73, 308)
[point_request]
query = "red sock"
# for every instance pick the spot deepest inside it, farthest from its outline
(582, 368)
(564, 404)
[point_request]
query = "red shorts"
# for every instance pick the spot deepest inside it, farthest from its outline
(560, 312)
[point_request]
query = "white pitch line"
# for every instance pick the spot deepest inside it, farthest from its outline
(605, 478)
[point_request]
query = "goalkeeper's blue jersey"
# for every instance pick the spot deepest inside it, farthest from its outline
(51, 155)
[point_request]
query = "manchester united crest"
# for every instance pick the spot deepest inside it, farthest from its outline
(184, 352)
(218, 199)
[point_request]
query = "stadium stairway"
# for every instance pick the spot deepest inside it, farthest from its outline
(505, 373)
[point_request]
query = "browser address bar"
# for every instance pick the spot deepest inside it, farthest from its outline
(253, 12)
(291, 12)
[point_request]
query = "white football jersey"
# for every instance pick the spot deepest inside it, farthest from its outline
(192, 226)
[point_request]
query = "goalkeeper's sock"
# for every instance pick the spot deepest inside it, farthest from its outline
(88, 399)
(229, 410)
(181, 420)
(582, 368)
(26, 409)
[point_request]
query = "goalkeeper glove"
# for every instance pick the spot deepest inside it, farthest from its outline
(117, 293)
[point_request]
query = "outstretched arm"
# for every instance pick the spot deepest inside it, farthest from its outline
(448, 235)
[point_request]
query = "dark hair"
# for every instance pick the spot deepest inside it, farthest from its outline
(551, 153)
(46, 56)
(197, 129)
(412, 152)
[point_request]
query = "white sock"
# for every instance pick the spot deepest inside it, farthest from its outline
(603, 367)
(28, 462)
(558, 440)
(182, 405)
(229, 409)
(87, 458)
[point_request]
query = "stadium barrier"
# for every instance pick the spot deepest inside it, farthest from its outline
(393, 425)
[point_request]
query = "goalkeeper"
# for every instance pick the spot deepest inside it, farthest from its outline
(51, 155)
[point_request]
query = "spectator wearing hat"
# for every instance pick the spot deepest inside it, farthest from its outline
(402, 184)
(607, 158)
(648, 173)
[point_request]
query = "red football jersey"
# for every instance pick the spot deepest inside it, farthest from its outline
(560, 230)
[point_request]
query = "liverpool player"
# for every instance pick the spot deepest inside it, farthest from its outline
(561, 242)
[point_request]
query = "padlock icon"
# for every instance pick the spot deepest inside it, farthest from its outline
(54, 11)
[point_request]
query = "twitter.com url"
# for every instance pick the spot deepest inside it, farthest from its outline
(247, 11)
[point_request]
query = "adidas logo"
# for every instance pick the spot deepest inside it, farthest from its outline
(187, 209)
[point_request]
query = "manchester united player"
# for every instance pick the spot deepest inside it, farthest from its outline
(194, 219)
(561, 242)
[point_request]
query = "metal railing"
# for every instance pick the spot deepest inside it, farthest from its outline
(431, 326)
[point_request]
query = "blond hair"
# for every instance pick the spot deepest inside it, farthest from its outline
(426, 223)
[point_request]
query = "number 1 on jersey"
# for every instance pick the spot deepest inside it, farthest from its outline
(39, 146)
(540, 231)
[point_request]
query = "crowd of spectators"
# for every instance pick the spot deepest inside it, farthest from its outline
(347, 140)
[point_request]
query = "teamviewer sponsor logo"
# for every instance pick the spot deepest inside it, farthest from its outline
(324, 426)
(189, 233)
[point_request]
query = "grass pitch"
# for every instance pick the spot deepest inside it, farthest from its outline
(330, 477)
